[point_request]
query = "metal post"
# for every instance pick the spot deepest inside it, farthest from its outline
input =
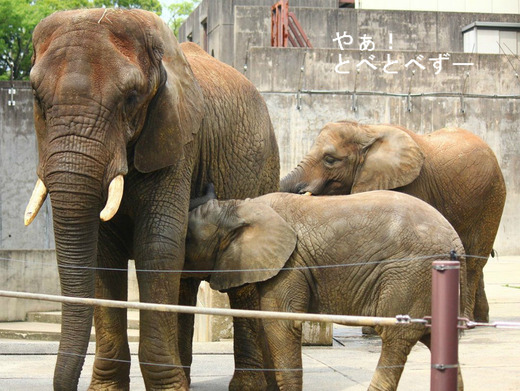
(279, 23)
(444, 337)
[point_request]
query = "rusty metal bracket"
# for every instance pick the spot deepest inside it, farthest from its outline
(463, 323)
(442, 367)
(441, 268)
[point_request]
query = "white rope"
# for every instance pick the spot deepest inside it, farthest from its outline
(340, 319)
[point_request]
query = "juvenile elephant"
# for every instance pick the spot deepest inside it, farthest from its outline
(365, 254)
(115, 96)
(451, 169)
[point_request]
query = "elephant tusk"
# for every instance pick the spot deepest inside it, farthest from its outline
(308, 193)
(35, 203)
(115, 194)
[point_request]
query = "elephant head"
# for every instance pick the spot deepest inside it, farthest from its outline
(350, 158)
(236, 243)
(112, 90)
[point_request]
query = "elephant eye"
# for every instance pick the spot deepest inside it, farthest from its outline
(330, 159)
(132, 98)
(39, 105)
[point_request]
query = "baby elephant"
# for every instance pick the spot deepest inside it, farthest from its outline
(364, 254)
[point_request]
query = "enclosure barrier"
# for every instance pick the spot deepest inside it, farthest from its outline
(444, 320)
(347, 320)
(444, 316)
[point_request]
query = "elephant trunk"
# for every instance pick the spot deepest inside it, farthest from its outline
(292, 182)
(76, 199)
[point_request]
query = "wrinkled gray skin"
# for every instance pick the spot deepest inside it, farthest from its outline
(359, 233)
(115, 94)
(451, 169)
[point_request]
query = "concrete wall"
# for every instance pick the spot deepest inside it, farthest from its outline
(417, 31)
(234, 27)
(18, 159)
(27, 271)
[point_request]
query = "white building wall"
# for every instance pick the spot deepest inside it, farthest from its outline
(492, 41)
(470, 41)
(487, 41)
(484, 6)
(507, 41)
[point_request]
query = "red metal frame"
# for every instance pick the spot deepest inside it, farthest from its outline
(285, 27)
(279, 22)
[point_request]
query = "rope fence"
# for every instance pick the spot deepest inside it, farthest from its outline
(439, 371)
(209, 271)
(347, 320)
(340, 319)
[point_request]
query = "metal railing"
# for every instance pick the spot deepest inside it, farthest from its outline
(285, 27)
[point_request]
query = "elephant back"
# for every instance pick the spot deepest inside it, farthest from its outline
(238, 148)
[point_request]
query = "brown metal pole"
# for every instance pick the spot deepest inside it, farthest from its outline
(444, 338)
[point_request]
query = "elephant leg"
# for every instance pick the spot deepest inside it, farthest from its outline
(159, 233)
(284, 340)
(287, 292)
(248, 344)
(477, 301)
(478, 250)
(158, 338)
(396, 345)
(187, 296)
(159, 238)
(112, 364)
(368, 330)
(481, 312)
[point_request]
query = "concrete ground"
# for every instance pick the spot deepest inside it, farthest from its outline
(489, 357)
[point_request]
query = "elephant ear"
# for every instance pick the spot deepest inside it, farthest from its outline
(256, 249)
(392, 159)
(175, 114)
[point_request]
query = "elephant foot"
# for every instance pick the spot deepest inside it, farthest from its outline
(108, 386)
(249, 381)
(481, 312)
(481, 318)
(368, 331)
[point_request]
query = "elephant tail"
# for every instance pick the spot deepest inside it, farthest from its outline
(466, 301)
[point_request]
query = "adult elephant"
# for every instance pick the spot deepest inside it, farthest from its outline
(115, 96)
(452, 169)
